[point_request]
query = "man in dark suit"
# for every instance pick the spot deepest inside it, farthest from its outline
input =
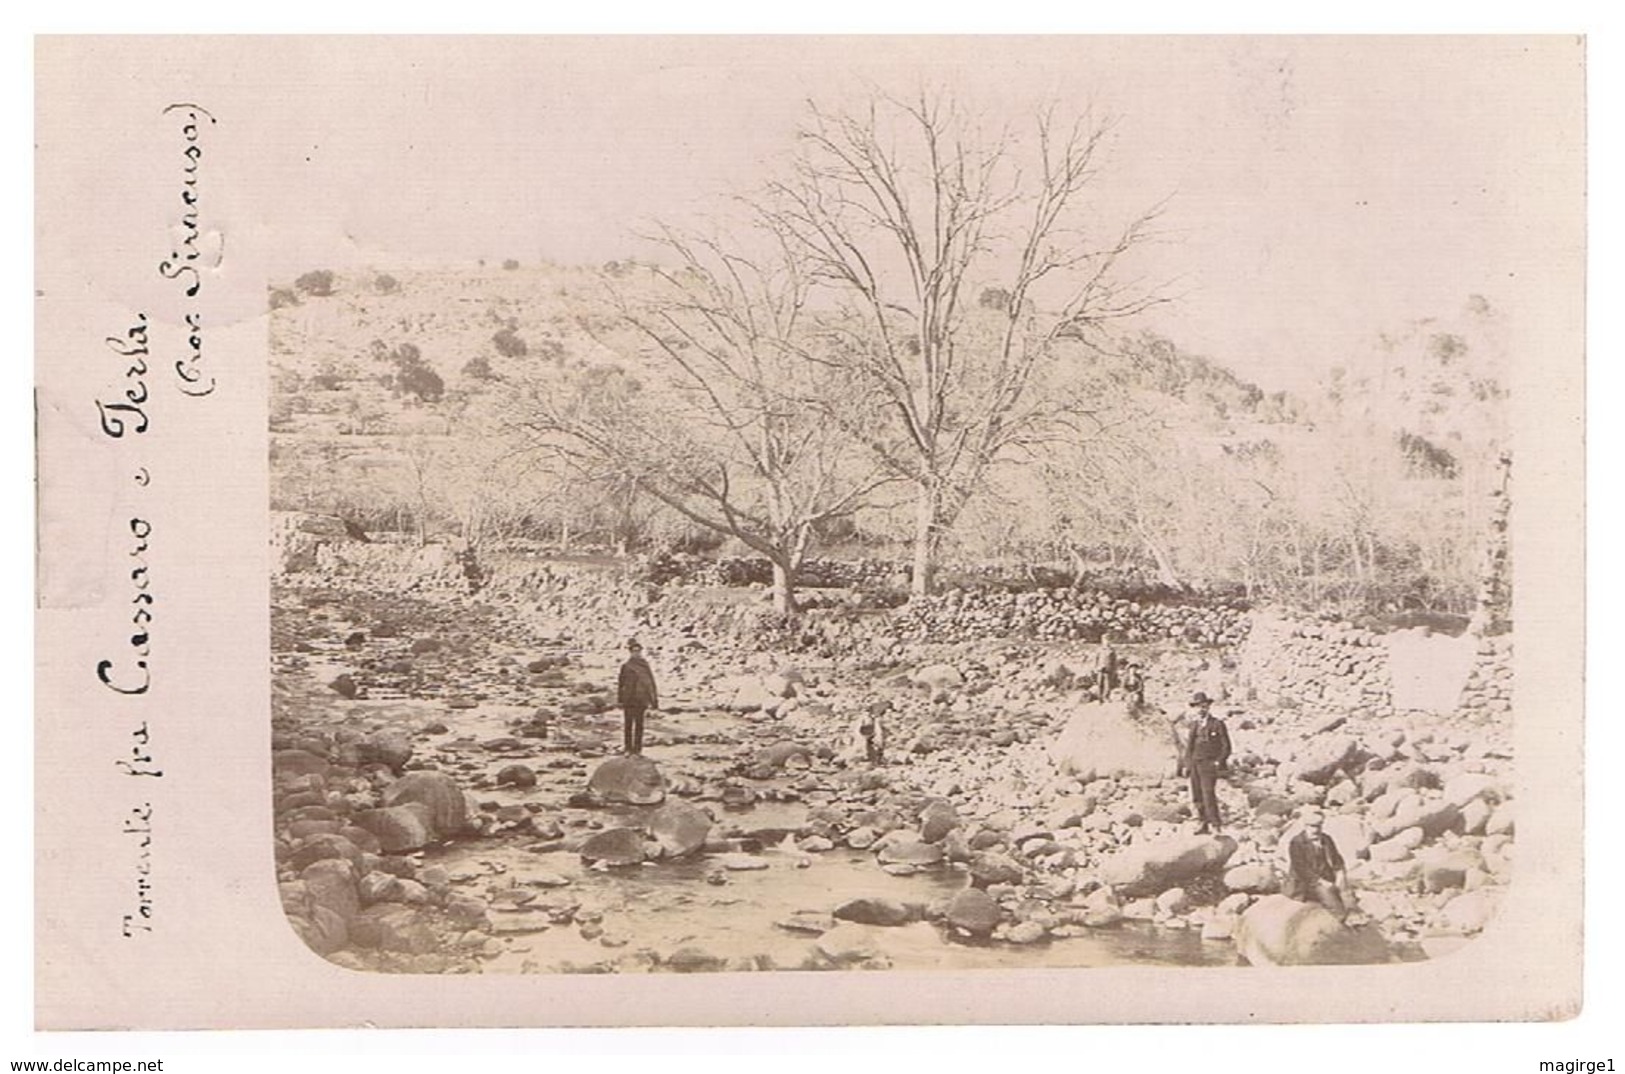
(636, 695)
(1318, 872)
(1207, 757)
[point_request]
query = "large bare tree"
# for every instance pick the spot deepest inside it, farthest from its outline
(697, 400)
(946, 261)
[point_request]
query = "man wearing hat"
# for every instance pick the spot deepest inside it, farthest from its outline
(1318, 872)
(1207, 757)
(636, 695)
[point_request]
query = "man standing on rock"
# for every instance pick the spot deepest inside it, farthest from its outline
(636, 695)
(1207, 757)
(1318, 872)
(1105, 668)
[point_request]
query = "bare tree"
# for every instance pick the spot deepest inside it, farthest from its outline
(697, 401)
(952, 261)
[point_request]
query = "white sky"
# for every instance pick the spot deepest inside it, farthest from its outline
(1325, 188)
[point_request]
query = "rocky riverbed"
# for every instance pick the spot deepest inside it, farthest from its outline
(449, 799)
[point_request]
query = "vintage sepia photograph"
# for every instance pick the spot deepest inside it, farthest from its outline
(976, 522)
(830, 531)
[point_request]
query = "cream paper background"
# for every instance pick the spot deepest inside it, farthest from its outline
(107, 176)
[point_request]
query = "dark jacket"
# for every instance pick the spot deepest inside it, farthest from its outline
(1209, 741)
(1312, 860)
(637, 685)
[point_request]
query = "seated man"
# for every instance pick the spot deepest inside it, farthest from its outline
(1318, 872)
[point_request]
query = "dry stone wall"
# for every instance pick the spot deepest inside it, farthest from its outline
(1488, 693)
(1314, 665)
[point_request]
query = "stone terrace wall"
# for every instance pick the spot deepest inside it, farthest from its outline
(1321, 667)
(1488, 693)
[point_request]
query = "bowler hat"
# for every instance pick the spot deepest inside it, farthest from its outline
(1201, 699)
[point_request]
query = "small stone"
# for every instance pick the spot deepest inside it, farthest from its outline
(740, 863)
(876, 910)
(807, 921)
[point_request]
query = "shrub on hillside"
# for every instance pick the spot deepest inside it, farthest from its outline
(318, 282)
(509, 344)
(421, 381)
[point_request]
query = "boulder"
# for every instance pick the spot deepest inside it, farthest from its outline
(448, 809)
(616, 846)
(849, 944)
(331, 882)
(1153, 866)
(782, 755)
(810, 921)
(1278, 931)
(783, 683)
(861, 838)
(323, 931)
(692, 959)
(744, 694)
(938, 677)
(1102, 739)
(679, 828)
(1444, 869)
(974, 911)
(1173, 901)
(937, 819)
(517, 775)
(1399, 846)
(1255, 878)
(910, 850)
(1028, 932)
(629, 779)
(399, 829)
(1471, 787)
(391, 927)
(1475, 815)
(380, 886)
(1433, 816)
(319, 847)
(392, 748)
(1349, 835)
(877, 910)
(1321, 760)
(992, 867)
(298, 763)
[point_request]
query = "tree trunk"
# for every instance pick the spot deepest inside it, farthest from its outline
(1079, 566)
(925, 543)
(1165, 566)
(784, 590)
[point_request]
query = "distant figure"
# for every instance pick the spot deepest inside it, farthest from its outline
(1318, 872)
(872, 730)
(1207, 757)
(1134, 685)
(1105, 667)
(636, 695)
(865, 740)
